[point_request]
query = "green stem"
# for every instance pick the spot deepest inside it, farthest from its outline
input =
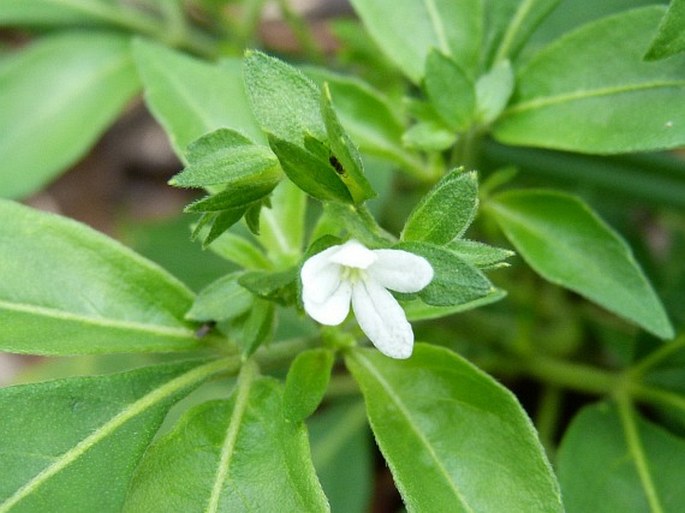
(341, 386)
(657, 357)
(548, 415)
(655, 395)
(578, 377)
(627, 413)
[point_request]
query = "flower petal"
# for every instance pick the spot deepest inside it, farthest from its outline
(400, 270)
(333, 309)
(353, 254)
(382, 319)
(314, 265)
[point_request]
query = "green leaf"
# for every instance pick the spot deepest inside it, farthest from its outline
(493, 91)
(510, 23)
(57, 96)
(451, 435)
(67, 289)
(275, 286)
(218, 223)
(446, 211)
(344, 156)
(568, 244)
(239, 250)
(283, 227)
(670, 37)
(455, 282)
(599, 469)
(454, 28)
(479, 254)
(284, 101)
(309, 172)
(258, 327)
(222, 299)
(450, 91)
(73, 445)
(228, 456)
(226, 156)
(369, 117)
(417, 310)
(342, 456)
(190, 97)
(429, 136)
(306, 383)
(564, 101)
(236, 196)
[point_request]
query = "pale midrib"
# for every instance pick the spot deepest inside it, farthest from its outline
(61, 315)
(402, 408)
(436, 21)
(227, 450)
(134, 409)
(585, 94)
(637, 451)
(513, 29)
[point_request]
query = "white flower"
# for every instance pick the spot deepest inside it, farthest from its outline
(352, 272)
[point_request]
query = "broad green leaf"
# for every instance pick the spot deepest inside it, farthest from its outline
(564, 100)
(72, 445)
(568, 244)
(446, 211)
(67, 289)
(341, 451)
(598, 467)
(306, 383)
(479, 254)
(283, 224)
(452, 435)
(670, 37)
(312, 174)
(493, 91)
(455, 281)
(417, 310)
(344, 155)
(190, 97)
(228, 456)
(258, 327)
(509, 24)
(449, 90)
(284, 101)
(222, 299)
(429, 136)
(407, 30)
(57, 96)
(226, 156)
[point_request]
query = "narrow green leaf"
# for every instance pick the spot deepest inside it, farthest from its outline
(59, 93)
(417, 310)
(228, 456)
(236, 196)
(565, 101)
(283, 226)
(479, 254)
(451, 435)
(568, 244)
(315, 176)
(344, 155)
(225, 156)
(222, 299)
(598, 465)
(190, 97)
(241, 251)
(509, 25)
(218, 223)
(670, 37)
(341, 450)
(451, 92)
(306, 383)
(493, 91)
(284, 101)
(275, 286)
(252, 216)
(67, 289)
(429, 136)
(258, 327)
(73, 445)
(454, 28)
(455, 282)
(446, 211)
